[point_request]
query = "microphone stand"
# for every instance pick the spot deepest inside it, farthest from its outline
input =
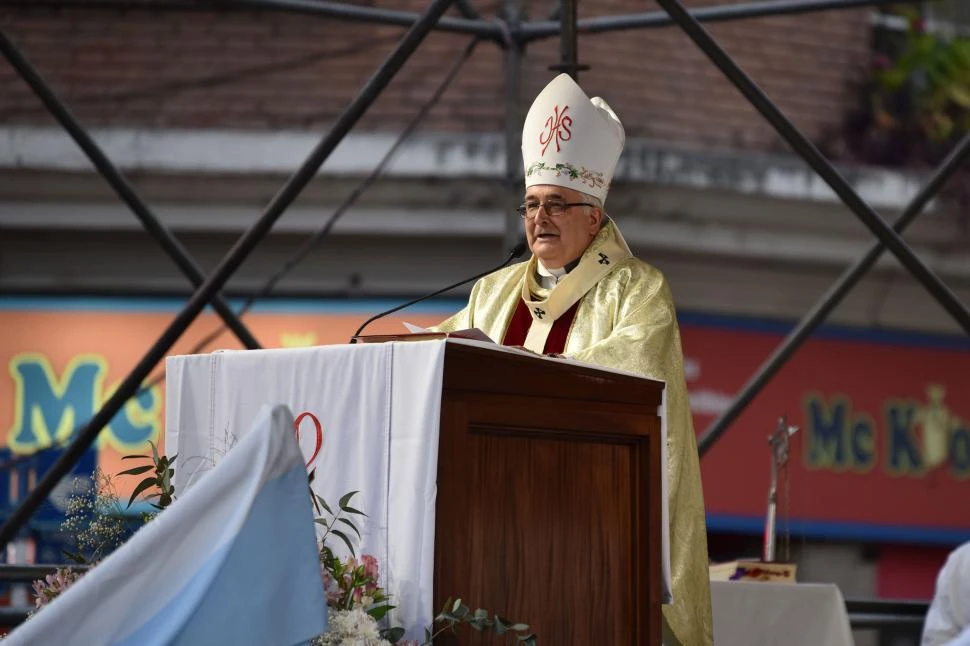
(516, 251)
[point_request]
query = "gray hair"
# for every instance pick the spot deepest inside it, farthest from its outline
(597, 204)
(595, 201)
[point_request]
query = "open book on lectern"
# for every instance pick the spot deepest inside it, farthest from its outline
(473, 334)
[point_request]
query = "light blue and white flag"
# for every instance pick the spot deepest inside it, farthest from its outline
(232, 561)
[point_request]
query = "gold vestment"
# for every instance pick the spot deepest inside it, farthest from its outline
(627, 321)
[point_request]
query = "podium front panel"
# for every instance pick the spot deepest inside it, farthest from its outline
(546, 515)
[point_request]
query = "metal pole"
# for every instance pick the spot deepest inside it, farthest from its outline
(569, 42)
(360, 13)
(117, 181)
(243, 247)
(467, 9)
(514, 51)
(722, 13)
(831, 299)
(817, 161)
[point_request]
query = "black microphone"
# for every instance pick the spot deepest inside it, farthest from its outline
(516, 251)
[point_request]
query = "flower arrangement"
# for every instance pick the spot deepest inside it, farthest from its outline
(356, 603)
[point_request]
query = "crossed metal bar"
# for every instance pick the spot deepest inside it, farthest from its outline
(529, 31)
(831, 299)
(229, 264)
(513, 36)
(121, 186)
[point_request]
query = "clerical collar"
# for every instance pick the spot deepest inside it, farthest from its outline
(549, 278)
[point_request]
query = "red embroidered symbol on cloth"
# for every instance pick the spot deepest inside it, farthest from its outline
(318, 436)
(556, 129)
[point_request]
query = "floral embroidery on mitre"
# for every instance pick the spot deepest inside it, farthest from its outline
(583, 174)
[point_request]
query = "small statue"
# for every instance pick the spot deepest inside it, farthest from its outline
(937, 422)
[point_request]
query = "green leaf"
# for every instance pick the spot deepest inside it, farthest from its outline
(346, 498)
(481, 613)
(447, 605)
(351, 510)
(154, 451)
(135, 457)
(455, 606)
(378, 612)
(960, 95)
(344, 538)
(519, 627)
(137, 471)
(77, 558)
(393, 635)
(351, 525)
(144, 484)
(323, 503)
(893, 79)
(320, 521)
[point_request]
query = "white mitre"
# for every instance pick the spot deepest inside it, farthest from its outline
(571, 140)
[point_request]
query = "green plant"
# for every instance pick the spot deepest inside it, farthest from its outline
(926, 86)
(912, 105)
(161, 479)
(455, 613)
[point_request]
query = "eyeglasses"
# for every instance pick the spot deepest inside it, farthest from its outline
(554, 208)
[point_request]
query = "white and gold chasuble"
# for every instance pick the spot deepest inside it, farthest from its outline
(625, 320)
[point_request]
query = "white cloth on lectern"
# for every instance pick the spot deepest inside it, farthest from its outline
(378, 406)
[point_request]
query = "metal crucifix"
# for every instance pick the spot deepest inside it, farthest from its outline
(779, 441)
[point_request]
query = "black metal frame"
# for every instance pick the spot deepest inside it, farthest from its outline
(229, 264)
(513, 34)
(121, 186)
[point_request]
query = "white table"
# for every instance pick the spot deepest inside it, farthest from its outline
(775, 614)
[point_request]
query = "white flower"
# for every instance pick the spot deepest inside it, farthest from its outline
(351, 628)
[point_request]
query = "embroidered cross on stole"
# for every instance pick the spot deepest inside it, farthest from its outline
(542, 317)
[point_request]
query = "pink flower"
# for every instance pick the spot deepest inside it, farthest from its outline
(371, 570)
(330, 586)
(48, 588)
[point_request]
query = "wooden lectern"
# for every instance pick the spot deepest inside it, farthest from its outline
(549, 497)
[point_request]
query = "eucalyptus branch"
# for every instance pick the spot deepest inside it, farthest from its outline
(163, 469)
(343, 508)
(455, 612)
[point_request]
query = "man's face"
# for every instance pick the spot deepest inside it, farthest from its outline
(557, 240)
